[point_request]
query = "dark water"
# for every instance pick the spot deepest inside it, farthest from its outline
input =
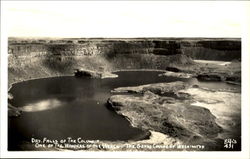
(63, 107)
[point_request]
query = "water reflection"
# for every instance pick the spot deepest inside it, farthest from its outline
(41, 105)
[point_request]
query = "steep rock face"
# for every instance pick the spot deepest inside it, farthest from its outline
(24, 68)
(41, 58)
(208, 49)
(37, 60)
(202, 53)
(220, 44)
(212, 49)
(94, 47)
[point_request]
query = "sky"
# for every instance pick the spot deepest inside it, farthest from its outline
(123, 19)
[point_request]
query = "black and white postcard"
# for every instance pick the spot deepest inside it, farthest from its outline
(129, 77)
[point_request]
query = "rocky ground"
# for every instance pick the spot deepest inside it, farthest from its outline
(186, 113)
(230, 73)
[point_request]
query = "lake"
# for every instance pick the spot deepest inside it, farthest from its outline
(61, 107)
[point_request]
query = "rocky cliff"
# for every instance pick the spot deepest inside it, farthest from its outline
(29, 58)
(206, 49)
(213, 49)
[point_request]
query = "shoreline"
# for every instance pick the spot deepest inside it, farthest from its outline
(118, 70)
(11, 84)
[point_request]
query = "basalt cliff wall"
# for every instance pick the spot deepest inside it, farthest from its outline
(45, 58)
(212, 49)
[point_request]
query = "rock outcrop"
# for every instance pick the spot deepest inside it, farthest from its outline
(176, 74)
(210, 77)
(230, 73)
(157, 88)
(164, 108)
(94, 74)
(13, 111)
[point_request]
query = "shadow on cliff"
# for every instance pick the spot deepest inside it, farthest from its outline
(60, 64)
